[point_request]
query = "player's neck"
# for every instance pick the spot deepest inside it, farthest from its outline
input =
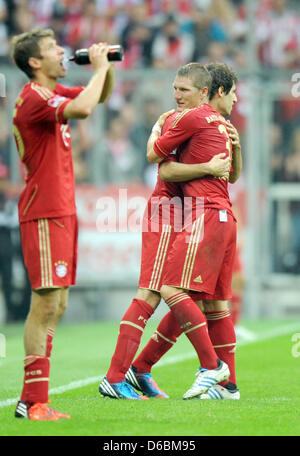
(214, 104)
(44, 81)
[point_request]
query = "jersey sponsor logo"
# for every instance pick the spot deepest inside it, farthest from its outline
(61, 269)
(55, 101)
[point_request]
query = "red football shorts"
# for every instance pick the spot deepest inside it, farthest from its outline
(201, 258)
(156, 242)
(50, 251)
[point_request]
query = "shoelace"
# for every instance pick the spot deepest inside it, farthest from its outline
(200, 371)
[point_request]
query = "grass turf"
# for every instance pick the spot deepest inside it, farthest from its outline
(268, 379)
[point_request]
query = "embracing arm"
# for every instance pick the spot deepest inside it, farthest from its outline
(218, 166)
(237, 164)
(152, 156)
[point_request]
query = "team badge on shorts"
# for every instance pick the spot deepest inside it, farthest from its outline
(61, 269)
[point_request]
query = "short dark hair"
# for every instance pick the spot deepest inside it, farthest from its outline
(200, 76)
(26, 45)
(222, 76)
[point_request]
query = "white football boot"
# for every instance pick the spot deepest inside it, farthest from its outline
(218, 392)
(206, 378)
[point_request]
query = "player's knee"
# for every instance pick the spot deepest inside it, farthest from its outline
(62, 307)
(215, 306)
(151, 297)
(44, 304)
(166, 291)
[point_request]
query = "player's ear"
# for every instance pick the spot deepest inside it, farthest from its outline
(205, 91)
(34, 63)
(221, 92)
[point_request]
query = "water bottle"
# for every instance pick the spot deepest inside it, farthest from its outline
(81, 56)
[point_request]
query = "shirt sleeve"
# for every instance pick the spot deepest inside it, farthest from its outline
(68, 92)
(183, 127)
(47, 109)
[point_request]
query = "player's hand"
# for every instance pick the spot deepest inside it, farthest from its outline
(98, 56)
(161, 120)
(220, 166)
(234, 136)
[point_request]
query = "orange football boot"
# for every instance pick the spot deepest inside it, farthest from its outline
(42, 412)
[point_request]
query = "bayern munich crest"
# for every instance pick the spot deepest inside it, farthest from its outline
(61, 269)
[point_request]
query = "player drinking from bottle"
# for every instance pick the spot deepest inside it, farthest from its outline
(47, 211)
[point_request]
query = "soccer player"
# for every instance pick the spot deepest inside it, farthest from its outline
(201, 259)
(47, 211)
(190, 90)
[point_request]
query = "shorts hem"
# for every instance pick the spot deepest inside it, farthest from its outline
(150, 289)
(186, 289)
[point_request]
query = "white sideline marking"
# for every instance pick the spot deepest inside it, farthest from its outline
(267, 335)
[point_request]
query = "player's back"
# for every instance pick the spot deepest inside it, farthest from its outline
(209, 138)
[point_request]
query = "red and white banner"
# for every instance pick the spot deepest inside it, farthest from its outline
(109, 250)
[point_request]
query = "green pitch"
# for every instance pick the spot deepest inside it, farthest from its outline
(268, 370)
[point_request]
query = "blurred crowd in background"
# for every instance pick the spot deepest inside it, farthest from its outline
(162, 35)
(150, 30)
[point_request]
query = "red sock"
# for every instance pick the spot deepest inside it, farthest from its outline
(222, 334)
(50, 335)
(193, 324)
(162, 340)
(131, 330)
(36, 379)
(236, 305)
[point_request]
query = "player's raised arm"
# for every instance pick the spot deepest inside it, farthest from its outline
(218, 166)
(108, 84)
(97, 88)
(237, 160)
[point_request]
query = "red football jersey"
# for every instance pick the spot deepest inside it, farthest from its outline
(43, 141)
(202, 133)
(164, 191)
